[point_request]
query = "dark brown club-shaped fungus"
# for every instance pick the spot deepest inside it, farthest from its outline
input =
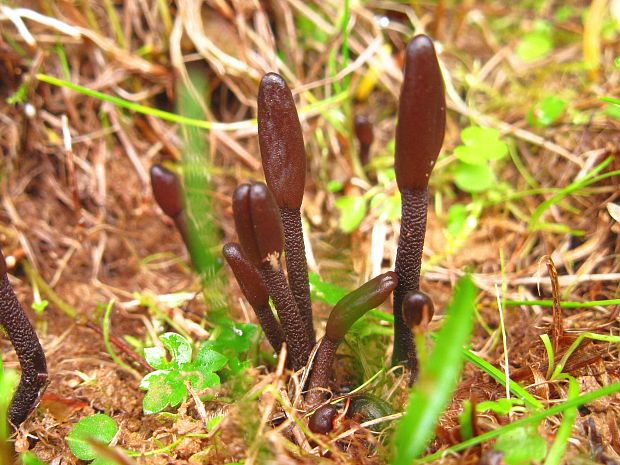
(418, 310)
(284, 163)
(168, 194)
(365, 136)
(419, 136)
(260, 233)
(346, 312)
(255, 292)
(28, 349)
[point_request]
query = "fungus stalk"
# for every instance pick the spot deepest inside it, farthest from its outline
(255, 292)
(346, 312)
(260, 233)
(28, 349)
(419, 136)
(284, 164)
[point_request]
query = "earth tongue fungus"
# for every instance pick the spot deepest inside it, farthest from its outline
(168, 194)
(365, 135)
(284, 163)
(419, 136)
(255, 292)
(346, 312)
(28, 349)
(268, 223)
(260, 233)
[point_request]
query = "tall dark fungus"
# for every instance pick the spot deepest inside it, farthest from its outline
(33, 379)
(419, 136)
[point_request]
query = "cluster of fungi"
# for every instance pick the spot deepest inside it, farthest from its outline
(268, 224)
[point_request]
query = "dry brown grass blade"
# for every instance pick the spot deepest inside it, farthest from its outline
(557, 326)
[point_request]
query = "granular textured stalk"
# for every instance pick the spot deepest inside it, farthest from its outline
(407, 267)
(296, 266)
(28, 349)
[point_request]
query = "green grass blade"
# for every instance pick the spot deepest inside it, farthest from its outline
(530, 420)
(550, 353)
(319, 106)
(554, 457)
(587, 180)
(500, 377)
(576, 343)
(615, 101)
(563, 304)
(437, 379)
(203, 230)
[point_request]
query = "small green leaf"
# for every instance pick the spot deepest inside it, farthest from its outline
(180, 349)
(457, 218)
(473, 178)
(521, 446)
(213, 422)
(28, 458)
(156, 357)
(145, 383)
(103, 461)
(546, 112)
(97, 427)
(352, 212)
(465, 421)
(39, 306)
(480, 145)
(232, 336)
(324, 291)
(476, 135)
(501, 406)
(208, 359)
(470, 155)
(157, 397)
(536, 44)
(201, 380)
(613, 111)
(334, 186)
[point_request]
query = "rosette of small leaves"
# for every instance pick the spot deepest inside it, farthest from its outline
(167, 385)
(233, 340)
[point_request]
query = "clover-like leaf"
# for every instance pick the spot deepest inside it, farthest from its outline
(480, 145)
(156, 357)
(180, 349)
(158, 395)
(99, 427)
(474, 178)
(167, 386)
(521, 446)
(546, 112)
(208, 359)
